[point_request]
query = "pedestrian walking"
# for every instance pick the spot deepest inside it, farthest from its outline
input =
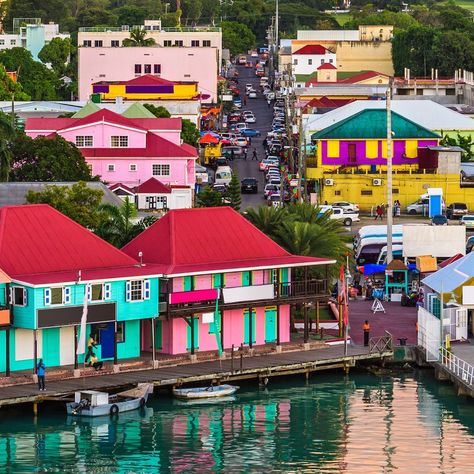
(378, 213)
(40, 373)
(383, 207)
(265, 143)
(269, 103)
(366, 329)
(254, 155)
(232, 155)
(90, 347)
(245, 153)
(245, 100)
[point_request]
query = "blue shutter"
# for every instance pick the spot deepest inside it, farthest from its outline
(128, 292)
(47, 296)
(25, 297)
(67, 295)
(108, 291)
(146, 293)
(89, 293)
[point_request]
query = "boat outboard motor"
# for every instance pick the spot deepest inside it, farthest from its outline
(80, 406)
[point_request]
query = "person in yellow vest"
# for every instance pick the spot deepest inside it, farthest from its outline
(366, 328)
(94, 362)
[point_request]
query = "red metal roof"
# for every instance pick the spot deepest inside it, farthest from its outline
(210, 239)
(208, 138)
(149, 80)
(37, 239)
(153, 186)
(156, 147)
(450, 260)
(312, 49)
(326, 102)
(354, 79)
(121, 186)
(327, 66)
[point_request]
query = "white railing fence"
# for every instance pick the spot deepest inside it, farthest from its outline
(457, 366)
(429, 337)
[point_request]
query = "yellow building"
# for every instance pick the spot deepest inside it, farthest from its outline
(147, 87)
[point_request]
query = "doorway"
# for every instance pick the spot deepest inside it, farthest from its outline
(352, 153)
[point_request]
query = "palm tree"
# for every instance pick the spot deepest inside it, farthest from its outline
(6, 133)
(137, 38)
(266, 218)
(119, 225)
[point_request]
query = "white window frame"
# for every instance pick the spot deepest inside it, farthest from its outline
(160, 169)
(121, 141)
(133, 167)
(84, 141)
(111, 168)
(310, 62)
(24, 297)
(144, 291)
(65, 295)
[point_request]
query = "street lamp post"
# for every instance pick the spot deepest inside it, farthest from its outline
(389, 178)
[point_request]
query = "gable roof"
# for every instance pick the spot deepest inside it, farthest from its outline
(203, 240)
(327, 66)
(372, 124)
(88, 109)
(153, 186)
(426, 113)
(452, 276)
(39, 244)
(123, 187)
(149, 80)
(156, 146)
(312, 49)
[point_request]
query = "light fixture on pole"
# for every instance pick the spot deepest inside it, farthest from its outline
(389, 178)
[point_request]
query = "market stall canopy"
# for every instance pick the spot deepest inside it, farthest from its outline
(208, 139)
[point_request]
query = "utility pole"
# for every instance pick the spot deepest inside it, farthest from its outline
(277, 32)
(389, 177)
(300, 156)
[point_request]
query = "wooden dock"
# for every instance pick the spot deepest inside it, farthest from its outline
(224, 370)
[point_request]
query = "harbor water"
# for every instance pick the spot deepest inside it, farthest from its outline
(330, 424)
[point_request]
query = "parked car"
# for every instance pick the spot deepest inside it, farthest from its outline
(227, 151)
(468, 221)
(470, 244)
(346, 206)
(240, 126)
(456, 210)
(223, 175)
(241, 141)
(439, 220)
(221, 188)
(266, 163)
(250, 119)
(467, 171)
(250, 132)
(270, 189)
(275, 200)
(201, 174)
(252, 95)
(249, 185)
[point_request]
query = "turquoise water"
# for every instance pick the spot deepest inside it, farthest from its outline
(332, 424)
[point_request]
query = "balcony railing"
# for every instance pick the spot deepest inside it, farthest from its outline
(292, 292)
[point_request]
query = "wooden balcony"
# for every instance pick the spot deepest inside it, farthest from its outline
(5, 318)
(304, 291)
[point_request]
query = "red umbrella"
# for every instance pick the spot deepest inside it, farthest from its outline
(208, 139)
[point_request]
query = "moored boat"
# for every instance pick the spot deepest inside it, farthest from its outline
(205, 392)
(94, 403)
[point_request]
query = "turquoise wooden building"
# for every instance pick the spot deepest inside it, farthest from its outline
(54, 265)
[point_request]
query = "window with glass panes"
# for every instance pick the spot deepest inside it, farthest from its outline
(161, 170)
(136, 290)
(120, 141)
(97, 292)
(57, 295)
(84, 140)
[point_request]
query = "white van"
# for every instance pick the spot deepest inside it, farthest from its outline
(397, 251)
(223, 175)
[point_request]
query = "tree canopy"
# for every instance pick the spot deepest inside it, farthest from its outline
(237, 37)
(189, 133)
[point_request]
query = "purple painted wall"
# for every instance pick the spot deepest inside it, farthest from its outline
(398, 151)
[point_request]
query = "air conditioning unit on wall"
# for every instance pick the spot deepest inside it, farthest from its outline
(376, 182)
(328, 182)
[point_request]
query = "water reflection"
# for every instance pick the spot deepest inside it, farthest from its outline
(331, 425)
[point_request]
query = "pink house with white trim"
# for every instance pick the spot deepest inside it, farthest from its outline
(125, 150)
(224, 282)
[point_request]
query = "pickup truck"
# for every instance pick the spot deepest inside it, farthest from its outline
(467, 171)
(337, 213)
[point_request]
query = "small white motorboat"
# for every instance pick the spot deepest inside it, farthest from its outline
(93, 403)
(205, 392)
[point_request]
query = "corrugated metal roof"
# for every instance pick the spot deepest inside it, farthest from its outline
(13, 194)
(208, 239)
(426, 113)
(372, 123)
(328, 35)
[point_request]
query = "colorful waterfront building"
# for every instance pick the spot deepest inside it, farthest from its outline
(147, 87)
(225, 283)
(123, 149)
(53, 264)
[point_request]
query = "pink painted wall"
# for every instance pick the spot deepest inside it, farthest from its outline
(203, 282)
(102, 133)
(233, 280)
(180, 170)
(173, 136)
(177, 64)
(178, 284)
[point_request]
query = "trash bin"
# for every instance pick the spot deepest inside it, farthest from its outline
(402, 341)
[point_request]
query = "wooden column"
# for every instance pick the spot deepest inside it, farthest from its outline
(115, 343)
(305, 315)
(278, 324)
(153, 345)
(317, 316)
(222, 328)
(7, 354)
(250, 328)
(35, 351)
(76, 365)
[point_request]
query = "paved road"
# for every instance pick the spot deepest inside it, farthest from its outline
(264, 116)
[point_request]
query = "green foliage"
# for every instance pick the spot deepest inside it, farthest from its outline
(56, 52)
(189, 132)
(47, 159)
(6, 132)
(8, 88)
(464, 142)
(118, 225)
(37, 81)
(302, 230)
(158, 111)
(233, 193)
(209, 197)
(78, 202)
(138, 38)
(237, 37)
